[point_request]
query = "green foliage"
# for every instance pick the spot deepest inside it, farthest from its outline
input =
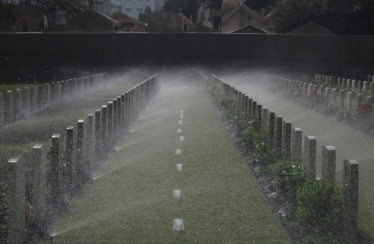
(288, 177)
(143, 17)
(320, 209)
(258, 4)
(307, 79)
(69, 7)
(346, 117)
(188, 7)
(212, 85)
(297, 93)
(339, 16)
(330, 109)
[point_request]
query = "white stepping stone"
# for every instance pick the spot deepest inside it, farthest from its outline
(181, 116)
(180, 122)
(181, 139)
(178, 152)
(177, 193)
(178, 225)
(179, 167)
(179, 131)
(181, 111)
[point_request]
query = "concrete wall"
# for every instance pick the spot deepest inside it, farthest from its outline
(125, 48)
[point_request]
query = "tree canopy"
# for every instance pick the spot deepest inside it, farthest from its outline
(340, 16)
(259, 4)
(187, 7)
(143, 17)
(48, 7)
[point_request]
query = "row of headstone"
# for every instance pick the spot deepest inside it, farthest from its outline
(289, 141)
(341, 83)
(335, 95)
(22, 103)
(80, 148)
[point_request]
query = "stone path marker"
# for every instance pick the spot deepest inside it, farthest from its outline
(272, 128)
(265, 113)
(80, 152)
(9, 107)
(70, 157)
(349, 102)
(350, 200)
(89, 146)
(177, 193)
(287, 140)
(26, 101)
(56, 153)
(178, 225)
(1, 109)
(328, 164)
(310, 150)
(179, 167)
(16, 201)
(297, 145)
(39, 179)
(259, 114)
(18, 105)
(341, 100)
(279, 133)
(249, 111)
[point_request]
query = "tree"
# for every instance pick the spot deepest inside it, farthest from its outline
(69, 7)
(187, 7)
(143, 17)
(339, 16)
(259, 4)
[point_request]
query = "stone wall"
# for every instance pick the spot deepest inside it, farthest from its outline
(106, 48)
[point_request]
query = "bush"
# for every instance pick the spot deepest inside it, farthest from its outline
(320, 209)
(288, 177)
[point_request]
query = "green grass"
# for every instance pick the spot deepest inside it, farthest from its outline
(132, 200)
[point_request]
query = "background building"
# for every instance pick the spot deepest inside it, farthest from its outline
(132, 7)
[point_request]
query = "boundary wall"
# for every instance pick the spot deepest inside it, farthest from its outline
(123, 48)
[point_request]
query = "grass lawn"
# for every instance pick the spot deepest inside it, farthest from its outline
(131, 199)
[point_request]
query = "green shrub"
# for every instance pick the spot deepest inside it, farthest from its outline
(253, 136)
(320, 208)
(288, 177)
